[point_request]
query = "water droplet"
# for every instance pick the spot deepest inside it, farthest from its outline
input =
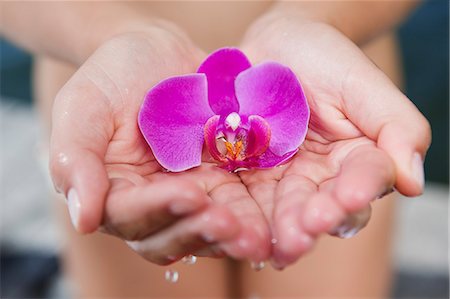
(171, 276)
(189, 259)
(63, 159)
(257, 266)
(274, 241)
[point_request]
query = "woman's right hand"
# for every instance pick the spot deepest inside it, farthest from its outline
(101, 162)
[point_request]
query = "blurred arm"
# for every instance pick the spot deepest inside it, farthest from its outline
(70, 31)
(358, 20)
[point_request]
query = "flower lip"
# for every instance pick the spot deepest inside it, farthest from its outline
(247, 117)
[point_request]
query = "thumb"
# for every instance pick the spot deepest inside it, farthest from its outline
(81, 130)
(387, 116)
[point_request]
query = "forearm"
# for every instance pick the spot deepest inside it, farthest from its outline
(70, 31)
(358, 20)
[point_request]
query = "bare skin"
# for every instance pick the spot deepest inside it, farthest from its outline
(356, 256)
(104, 156)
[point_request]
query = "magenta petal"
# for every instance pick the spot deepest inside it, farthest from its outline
(221, 69)
(172, 118)
(273, 92)
(210, 138)
(258, 137)
(269, 159)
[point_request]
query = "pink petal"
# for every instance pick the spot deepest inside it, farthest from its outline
(269, 159)
(258, 137)
(210, 138)
(273, 92)
(172, 118)
(221, 69)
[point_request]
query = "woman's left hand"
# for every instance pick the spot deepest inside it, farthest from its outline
(364, 137)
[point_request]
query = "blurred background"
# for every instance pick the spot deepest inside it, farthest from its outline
(29, 238)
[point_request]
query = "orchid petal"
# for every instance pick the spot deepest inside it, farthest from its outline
(172, 118)
(268, 159)
(273, 92)
(221, 68)
(258, 137)
(211, 138)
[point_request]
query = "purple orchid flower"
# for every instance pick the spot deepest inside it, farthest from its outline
(248, 117)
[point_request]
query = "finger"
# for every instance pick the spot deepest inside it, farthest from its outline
(262, 185)
(384, 114)
(321, 213)
(366, 174)
(78, 144)
(191, 234)
(253, 242)
(290, 238)
(134, 212)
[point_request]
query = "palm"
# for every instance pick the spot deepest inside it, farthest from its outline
(315, 167)
(129, 161)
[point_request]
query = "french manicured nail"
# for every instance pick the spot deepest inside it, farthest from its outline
(73, 202)
(417, 169)
(133, 245)
(216, 250)
(345, 231)
(277, 265)
(353, 224)
(387, 192)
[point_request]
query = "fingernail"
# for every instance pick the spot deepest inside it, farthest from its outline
(276, 265)
(387, 192)
(352, 225)
(417, 169)
(345, 231)
(133, 245)
(216, 250)
(73, 203)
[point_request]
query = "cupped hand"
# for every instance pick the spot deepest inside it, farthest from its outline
(113, 183)
(364, 137)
